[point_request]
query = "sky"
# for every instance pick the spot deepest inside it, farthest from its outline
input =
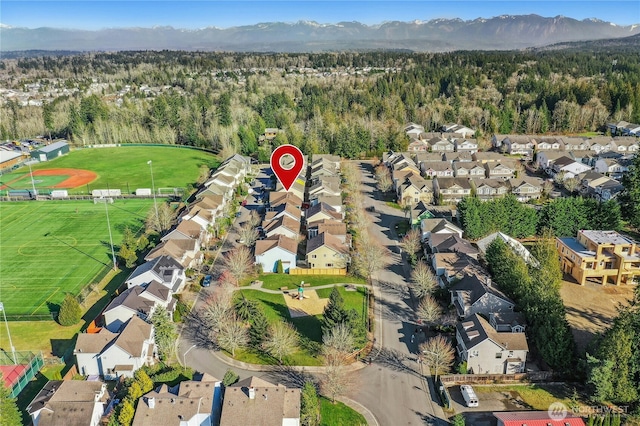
(93, 15)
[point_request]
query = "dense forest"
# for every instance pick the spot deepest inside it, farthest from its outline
(348, 103)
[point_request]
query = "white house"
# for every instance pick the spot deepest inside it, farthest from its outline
(272, 249)
(569, 167)
(474, 294)
(282, 225)
(164, 269)
(69, 402)
(487, 351)
(112, 355)
(138, 301)
(438, 226)
(466, 145)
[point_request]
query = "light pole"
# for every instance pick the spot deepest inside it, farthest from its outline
(13, 350)
(153, 188)
(113, 253)
(184, 357)
(33, 185)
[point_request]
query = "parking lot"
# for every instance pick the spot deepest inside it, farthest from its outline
(488, 402)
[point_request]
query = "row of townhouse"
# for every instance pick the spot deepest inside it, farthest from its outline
(126, 340)
(572, 163)
(452, 138)
(527, 145)
(624, 128)
(203, 401)
(311, 209)
(489, 334)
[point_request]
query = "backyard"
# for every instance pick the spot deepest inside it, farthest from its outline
(276, 281)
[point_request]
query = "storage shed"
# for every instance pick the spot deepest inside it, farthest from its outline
(51, 151)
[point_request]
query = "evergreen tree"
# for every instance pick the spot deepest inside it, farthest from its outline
(230, 377)
(127, 411)
(630, 196)
(9, 413)
(279, 268)
(258, 330)
(309, 406)
(165, 332)
(458, 420)
(70, 311)
(334, 313)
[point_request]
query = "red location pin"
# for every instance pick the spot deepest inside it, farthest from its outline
(287, 176)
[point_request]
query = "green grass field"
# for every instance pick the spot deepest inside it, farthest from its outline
(125, 168)
(275, 281)
(50, 248)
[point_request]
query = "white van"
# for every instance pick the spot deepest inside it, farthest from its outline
(469, 395)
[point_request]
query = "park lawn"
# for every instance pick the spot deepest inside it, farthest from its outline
(339, 414)
(46, 336)
(56, 247)
(539, 397)
(126, 167)
(275, 281)
(352, 299)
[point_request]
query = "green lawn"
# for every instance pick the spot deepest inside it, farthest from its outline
(54, 247)
(126, 167)
(539, 397)
(309, 327)
(339, 414)
(275, 281)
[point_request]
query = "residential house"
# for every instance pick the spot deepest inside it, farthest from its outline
(587, 157)
(274, 248)
(284, 210)
(402, 170)
(414, 190)
(269, 134)
(334, 227)
(438, 226)
(606, 256)
(185, 251)
(417, 145)
(69, 403)
(334, 201)
(242, 162)
(330, 158)
(164, 269)
(549, 144)
(576, 144)
(449, 267)
(113, 355)
(500, 170)
(223, 181)
(421, 157)
(489, 189)
(440, 144)
(225, 191)
(138, 301)
(254, 401)
(322, 211)
(326, 251)
(297, 188)
(624, 128)
(323, 167)
(607, 190)
(325, 186)
(487, 351)
(516, 246)
(186, 230)
(625, 144)
(466, 145)
(458, 129)
(412, 126)
(537, 418)
(454, 157)
(432, 169)
(511, 322)
(414, 131)
(277, 199)
(451, 243)
(189, 403)
(589, 180)
(612, 167)
(451, 190)
(282, 225)
(419, 212)
(487, 156)
(545, 159)
(526, 188)
(601, 144)
(514, 144)
(568, 167)
(469, 169)
(474, 294)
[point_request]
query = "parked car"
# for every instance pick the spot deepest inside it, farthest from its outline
(469, 396)
(244, 203)
(206, 281)
(238, 214)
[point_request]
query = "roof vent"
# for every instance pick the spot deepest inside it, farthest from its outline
(252, 393)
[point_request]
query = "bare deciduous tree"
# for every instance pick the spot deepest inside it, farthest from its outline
(248, 234)
(338, 344)
(423, 281)
(571, 184)
(162, 221)
(238, 263)
(411, 242)
(437, 354)
(254, 219)
(217, 310)
(429, 310)
(547, 187)
(335, 382)
(368, 258)
(559, 178)
(383, 177)
(233, 335)
(282, 340)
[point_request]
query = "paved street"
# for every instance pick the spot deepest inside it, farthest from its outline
(392, 387)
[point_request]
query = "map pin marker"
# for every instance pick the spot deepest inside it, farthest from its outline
(288, 175)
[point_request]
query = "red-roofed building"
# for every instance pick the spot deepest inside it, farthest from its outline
(536, 418)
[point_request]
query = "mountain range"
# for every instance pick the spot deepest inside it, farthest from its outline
(499, 33)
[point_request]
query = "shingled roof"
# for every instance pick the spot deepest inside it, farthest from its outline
(282, 241)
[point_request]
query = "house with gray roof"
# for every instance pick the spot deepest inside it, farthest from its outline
(438, 226)
(254, 401)
(163, 269)
(69, 403)
(326, 251)
(451, 243)
(511, 322)
(487, 351)
(474, 294)
(138, 301)
(451, 190)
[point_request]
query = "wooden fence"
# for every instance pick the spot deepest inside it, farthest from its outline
(496, 378)
(318, 271)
